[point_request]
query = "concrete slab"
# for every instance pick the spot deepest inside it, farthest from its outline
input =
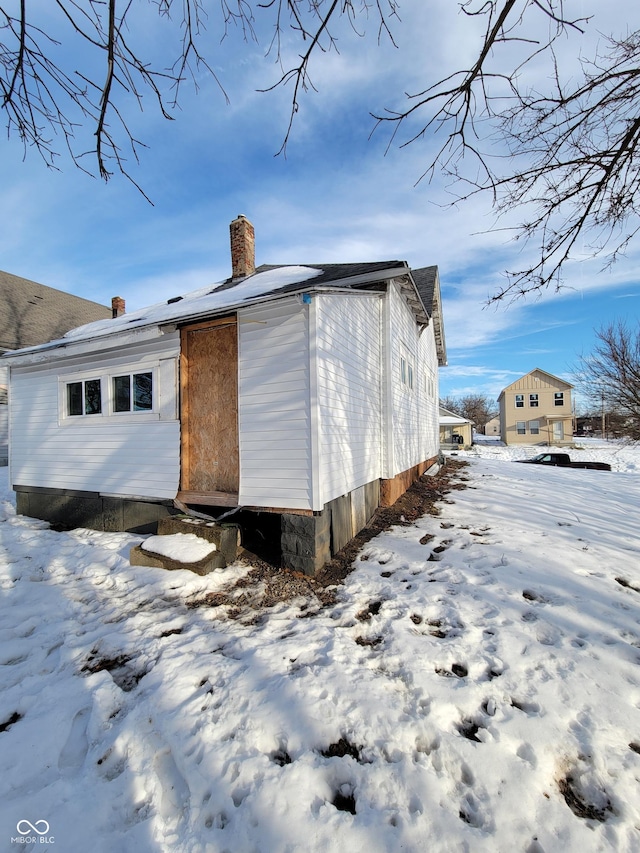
(140, 557)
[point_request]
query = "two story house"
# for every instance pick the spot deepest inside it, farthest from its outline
(536, 409)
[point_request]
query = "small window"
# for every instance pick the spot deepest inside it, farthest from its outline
(133, 392)
(519, 401)
(521, 427)
(84, 398)
(406, 372)
(534, 427)
(533, 401)
(558, 398)
(429, 386)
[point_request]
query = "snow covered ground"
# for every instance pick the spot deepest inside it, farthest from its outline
(477, 686)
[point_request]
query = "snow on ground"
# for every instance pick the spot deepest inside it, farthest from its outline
(477, 686)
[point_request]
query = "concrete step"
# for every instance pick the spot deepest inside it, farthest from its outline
(226, 538)
(139, 556)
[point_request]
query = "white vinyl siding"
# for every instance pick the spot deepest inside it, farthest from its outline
(4, 433)
(136, 456)
(413, 419)
(349, 392)
(273, 406)
(4, 415)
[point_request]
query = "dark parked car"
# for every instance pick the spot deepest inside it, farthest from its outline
(563, 460)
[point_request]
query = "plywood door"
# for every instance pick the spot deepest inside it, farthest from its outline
(209, 407)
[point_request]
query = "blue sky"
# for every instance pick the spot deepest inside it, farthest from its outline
(335, 197)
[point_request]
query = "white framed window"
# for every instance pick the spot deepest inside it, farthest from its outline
(83, 398)
(123, 393)
(519, 401)
(534, 427)
(558, 398)
(132, 392)
(406, 371)
(429, 384)
(533, 401)
(521, 427)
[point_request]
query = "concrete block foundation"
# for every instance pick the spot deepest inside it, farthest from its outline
(307, 541)
(67, 509)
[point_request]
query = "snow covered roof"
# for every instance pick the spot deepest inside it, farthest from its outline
(266, 283)
(447, 418)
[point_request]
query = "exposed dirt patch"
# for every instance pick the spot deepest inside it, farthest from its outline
(368, 641)
(340, 749)
(469, 729)
(281, 757)
(372, 610)
(14, 718)
(458, 670)
(344, 802)
(627, 585)
(577, 802)
(266, 585)
(123, 673)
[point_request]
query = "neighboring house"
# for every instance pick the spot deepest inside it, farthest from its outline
(309, 393)
(536, 409)
(492, 427)
(456, 432)
(31, 314)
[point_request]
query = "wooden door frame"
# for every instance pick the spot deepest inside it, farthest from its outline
(186, 494)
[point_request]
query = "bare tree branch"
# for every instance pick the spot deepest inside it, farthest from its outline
(611, 373)
(568, 157)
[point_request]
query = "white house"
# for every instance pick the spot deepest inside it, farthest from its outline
(310, 392)
(456, 432)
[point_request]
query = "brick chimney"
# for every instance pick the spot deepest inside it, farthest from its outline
(243, 247)
(117, 307)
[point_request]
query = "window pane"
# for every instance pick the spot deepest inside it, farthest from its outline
(74, 398)
(558, 398)
(519, 401)
(521, 428)
(121, 393)
(533, 400)
(92, 399)
(142, 392)
(534, 427)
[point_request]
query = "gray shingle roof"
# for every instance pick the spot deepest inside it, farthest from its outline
(425, 279)
(332, 275)
(31, 313)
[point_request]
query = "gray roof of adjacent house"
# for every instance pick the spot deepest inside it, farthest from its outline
(32, 314)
